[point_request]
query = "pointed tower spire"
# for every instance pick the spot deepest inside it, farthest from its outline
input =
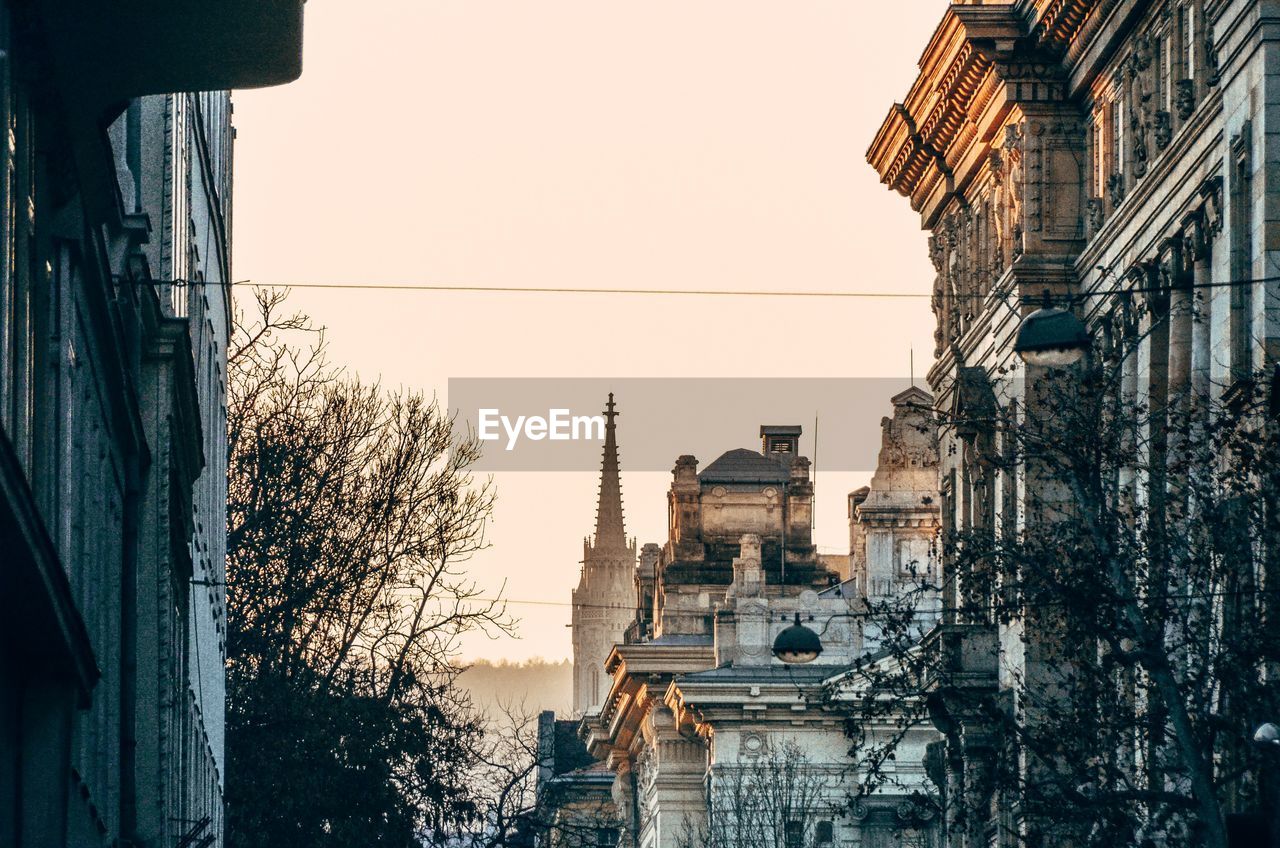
(610, 534)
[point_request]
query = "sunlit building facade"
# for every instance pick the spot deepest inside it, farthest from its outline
(1083, 148)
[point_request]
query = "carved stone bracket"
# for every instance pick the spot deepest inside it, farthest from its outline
(1211, 191)
(1195, 238)
(1139, 149)
(1163, 128)
(1096, 217)
(1185, 98)
(1115, 189)
(1210, 58)
(1172, 263)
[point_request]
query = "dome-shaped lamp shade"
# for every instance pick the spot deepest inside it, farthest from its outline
(1267, 734)
(1051, 337)
(797, 644)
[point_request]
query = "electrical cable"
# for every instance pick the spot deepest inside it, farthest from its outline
(965, 610)
(450, 287)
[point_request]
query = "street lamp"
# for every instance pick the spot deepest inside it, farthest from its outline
(1265, 827)
(1051, 337)
(797, 644)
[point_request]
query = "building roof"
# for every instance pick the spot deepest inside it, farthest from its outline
(682, 639)
(744, 466)
(766, 674)
(568, 752)
(597, 771)
(914, 395)
(780, 429)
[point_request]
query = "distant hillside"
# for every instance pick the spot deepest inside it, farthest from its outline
(538, 684)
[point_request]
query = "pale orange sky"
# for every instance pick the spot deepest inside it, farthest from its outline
(709, 144)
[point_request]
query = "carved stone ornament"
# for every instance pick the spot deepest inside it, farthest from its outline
(1163, 128)
(1211, 191)
(859, 810)
(1210, 58)
(1115, 189)
(1095, 215)
(1184, 98)
(1141, 53)
(1139, 150)
(752, 745)
(913, 811)
(1195, 244)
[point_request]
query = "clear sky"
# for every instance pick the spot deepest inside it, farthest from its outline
(708, 144)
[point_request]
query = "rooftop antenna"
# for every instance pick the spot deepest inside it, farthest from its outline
(913, 365)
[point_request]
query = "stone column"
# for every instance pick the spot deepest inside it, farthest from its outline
(1176, 276)
(1201, 320)
(624, 796)
(677, 787)
(1208, 224)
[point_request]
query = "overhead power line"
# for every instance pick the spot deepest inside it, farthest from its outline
(929, 611)
(448, 287)
(768, 293)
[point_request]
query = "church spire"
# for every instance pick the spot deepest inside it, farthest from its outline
(610, 534)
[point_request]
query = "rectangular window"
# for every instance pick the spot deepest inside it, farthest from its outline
(1184, 41)
(17, 165)
(1118, 126)
(1189, 15)
(1161, 93)
(1241, 253)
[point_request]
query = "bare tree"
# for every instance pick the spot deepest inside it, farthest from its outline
(351, 516)
(779, 799)
(522, 802)
(1135, 592)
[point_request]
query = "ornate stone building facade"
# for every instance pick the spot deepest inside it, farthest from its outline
(604, 602)
(112, 410)
(696, 697)
(894, 522)
(1114, 154)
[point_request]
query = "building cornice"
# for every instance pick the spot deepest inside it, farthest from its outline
(919, 150)
(639, 671)
(981, 62)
